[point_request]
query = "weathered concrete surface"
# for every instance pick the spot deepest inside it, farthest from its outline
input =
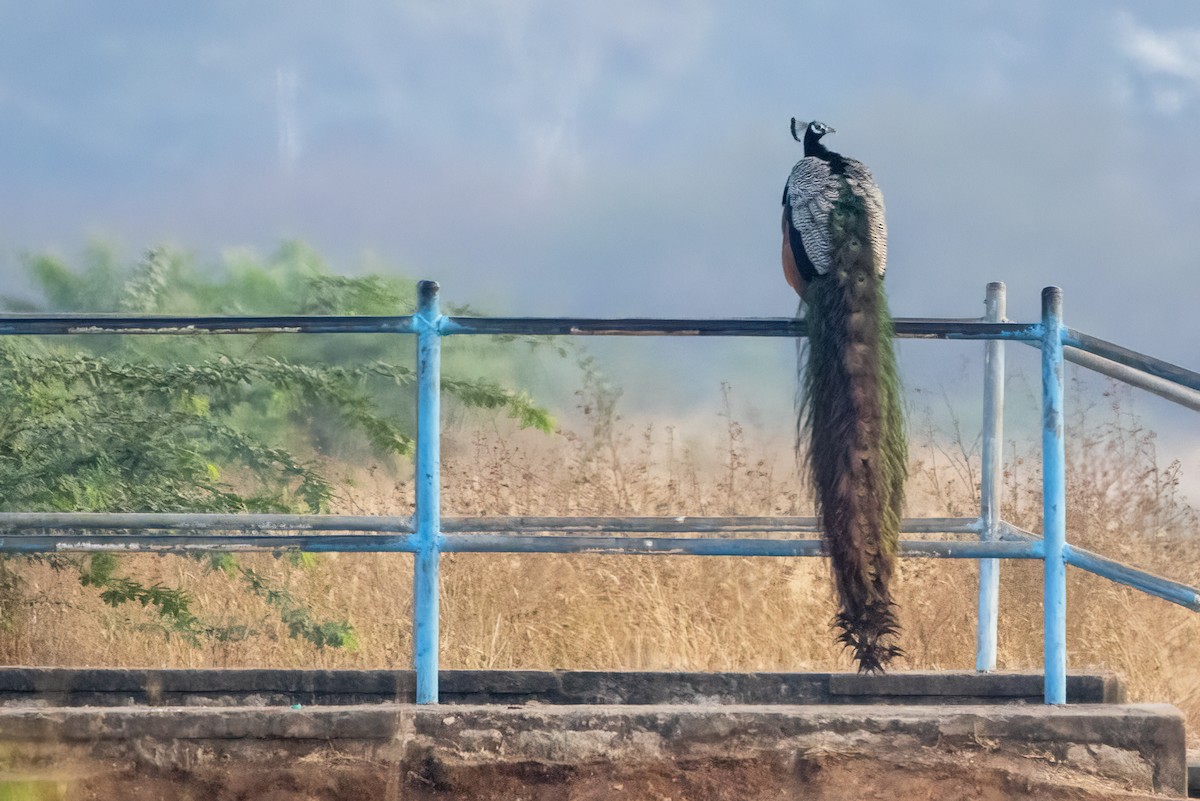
(109, 687)
(402, 751)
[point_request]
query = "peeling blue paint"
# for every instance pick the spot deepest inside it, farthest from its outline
(428, 494)
(1030, 333)
(1054, 495)
(447, 326)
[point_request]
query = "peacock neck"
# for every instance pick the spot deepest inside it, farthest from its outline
(813, 147)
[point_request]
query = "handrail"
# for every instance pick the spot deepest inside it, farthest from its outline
(18, 522)
(490, 543)
(1169, 590)
(98, 324)
(1131, 358)
(92, 324)
(1168, 381)
(1174, 591)
(1163, 387)
(15, 522)
(427, 534)
(904, 327)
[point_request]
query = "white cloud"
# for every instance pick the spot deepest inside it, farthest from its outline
(557, 73)
(1168, 59)
(1174, 52)
(287, 86)
(1169, 101)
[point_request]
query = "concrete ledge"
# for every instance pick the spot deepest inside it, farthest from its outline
(112, 687)
(470, 751)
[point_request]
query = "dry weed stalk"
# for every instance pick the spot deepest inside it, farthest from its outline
(580, 611)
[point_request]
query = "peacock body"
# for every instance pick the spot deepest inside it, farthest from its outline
(851, 416)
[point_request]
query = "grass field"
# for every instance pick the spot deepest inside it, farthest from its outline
(555, 611)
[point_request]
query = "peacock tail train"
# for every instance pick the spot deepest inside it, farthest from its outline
(853, 421)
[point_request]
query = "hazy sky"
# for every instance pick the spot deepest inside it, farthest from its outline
(624, 158)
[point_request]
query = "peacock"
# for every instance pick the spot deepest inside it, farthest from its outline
(850, 413)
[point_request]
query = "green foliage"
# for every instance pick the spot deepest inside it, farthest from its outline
(172, 605)
(297, 617)
(88, 433)
(214, 423)
(484, 394)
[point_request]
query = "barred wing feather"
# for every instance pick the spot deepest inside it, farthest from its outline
(810, 194)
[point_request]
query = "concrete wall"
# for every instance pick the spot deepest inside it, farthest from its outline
(543, 736)
(615, 752)
(107, 687)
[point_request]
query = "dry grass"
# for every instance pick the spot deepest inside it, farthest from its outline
(547, 611)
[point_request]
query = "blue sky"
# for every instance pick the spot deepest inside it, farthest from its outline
(625, 158)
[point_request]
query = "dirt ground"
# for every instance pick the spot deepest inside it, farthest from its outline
(821, 777)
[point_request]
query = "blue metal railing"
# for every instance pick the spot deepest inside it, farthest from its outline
(1054, 500)
(990, 483)
(428, 492)
(427, 534)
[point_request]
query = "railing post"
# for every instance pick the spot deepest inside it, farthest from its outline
(1054, 491)
(428, 493)
(990, 484)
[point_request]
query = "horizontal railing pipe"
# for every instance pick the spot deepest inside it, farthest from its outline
(72, 542)
(1134, 377)
(1115, 571)
(1168, 590)
(1131, 358)
(43, 521)
(685, 546)
(183, 521)
(1163, 387)
(91, 324)
(746, 327)
(82, 542)
(685, 525)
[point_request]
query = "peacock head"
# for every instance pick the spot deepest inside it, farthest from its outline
(817, 129)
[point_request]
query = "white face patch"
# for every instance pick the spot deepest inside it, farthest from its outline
(819, 128)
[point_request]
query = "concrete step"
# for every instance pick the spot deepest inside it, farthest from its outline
(616, 752)
(69, 687)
